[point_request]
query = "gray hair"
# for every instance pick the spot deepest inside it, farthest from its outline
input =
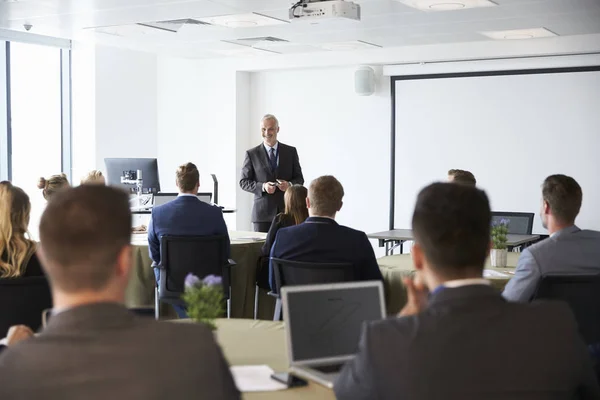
(271, 117)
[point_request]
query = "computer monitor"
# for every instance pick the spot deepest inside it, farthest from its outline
(163, 198)
(118, 167)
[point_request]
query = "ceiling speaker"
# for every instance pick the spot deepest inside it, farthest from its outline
(364, 81)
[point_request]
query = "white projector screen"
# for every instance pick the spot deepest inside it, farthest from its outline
(511, 131)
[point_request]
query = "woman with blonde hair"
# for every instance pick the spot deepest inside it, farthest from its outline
(94, 177)
(17, 251)
(52, 185)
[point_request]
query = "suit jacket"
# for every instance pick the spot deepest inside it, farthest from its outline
(184, 216)
(257, 170)
(102, 351)
(323, 240)
(472, 344)
(570, 251)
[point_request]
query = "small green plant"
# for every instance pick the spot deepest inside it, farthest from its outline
(204, 299)
(499, 232)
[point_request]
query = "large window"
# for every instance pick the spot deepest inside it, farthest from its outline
(36, 136)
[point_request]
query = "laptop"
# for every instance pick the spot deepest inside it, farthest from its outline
(163, 198)
(324, 323)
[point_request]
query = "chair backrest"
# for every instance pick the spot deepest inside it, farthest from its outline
(292, 273)
(199, 255)
(22, 301)
(520, 223)
(582, 293)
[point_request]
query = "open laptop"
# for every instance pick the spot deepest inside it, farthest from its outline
(163, 198)
(324, 323)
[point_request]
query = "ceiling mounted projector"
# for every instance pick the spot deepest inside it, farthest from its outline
(318, 10)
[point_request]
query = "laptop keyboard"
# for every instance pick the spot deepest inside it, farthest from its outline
(328, 369)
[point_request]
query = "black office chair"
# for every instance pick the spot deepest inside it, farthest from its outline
(292, 273)
(199, 255)
(22, 301)
(582, 294)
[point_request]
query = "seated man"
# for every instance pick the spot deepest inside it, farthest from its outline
(568, 251)
(464, 341)
(462, 176)
(320, 239)
(186, 215)
(93, 348)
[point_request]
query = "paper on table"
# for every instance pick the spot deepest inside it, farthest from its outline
(490, 273)
(255, 378)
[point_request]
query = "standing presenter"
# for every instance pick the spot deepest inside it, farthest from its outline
(268, 170)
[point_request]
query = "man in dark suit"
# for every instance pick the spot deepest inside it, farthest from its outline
(93, 348)
(463, 340)
(268, 170)
(568, 251)
(321, 239)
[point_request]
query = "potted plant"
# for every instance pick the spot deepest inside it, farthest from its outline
(499, 252)
(204, 299)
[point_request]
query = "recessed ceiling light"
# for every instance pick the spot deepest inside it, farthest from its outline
(250, 20)
(349, 45)
(519, 34)
(133, 30)
(245, 51)
(441, 5)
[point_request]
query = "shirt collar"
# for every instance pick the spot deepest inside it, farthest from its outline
(186, 195)
(456, 283)
(568, 229)
(268, 148)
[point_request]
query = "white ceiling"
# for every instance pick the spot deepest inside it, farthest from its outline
(385, 23)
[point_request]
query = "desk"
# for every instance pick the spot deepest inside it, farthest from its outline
(244, 250)
(396, 238)
(396, 267)
(248, 342)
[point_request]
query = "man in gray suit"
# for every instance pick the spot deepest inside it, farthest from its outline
(568, 251)
(268, 170)
(93, 348)
(463, 340)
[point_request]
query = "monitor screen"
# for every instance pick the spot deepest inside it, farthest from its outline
(117, 167)
(327, 323)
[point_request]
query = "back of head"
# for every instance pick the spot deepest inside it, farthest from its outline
(188, 177)
(325, 194)
(295, 203)
(564, 196)
(462, 176)
(15, 248)
(451, 223)
(94, 177)
(83, 231)
(53, 185)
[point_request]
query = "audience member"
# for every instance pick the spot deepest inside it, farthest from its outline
(568, 251)
(461, 176)
(185, 216)
(16, 334)
(321, 239)
(94, 177)
(295, 213)
(93, 348)
(18, 253)
(464, 341)
(52, 185)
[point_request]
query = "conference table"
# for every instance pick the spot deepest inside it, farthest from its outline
(245, 251)
(396, 267)
(395, 238)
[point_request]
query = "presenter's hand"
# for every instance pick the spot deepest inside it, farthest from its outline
(269, 187)
(417, 296)
(18, 333)
(283, 185)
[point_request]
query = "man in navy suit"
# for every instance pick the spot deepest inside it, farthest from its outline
(321, 239)
(184, 216)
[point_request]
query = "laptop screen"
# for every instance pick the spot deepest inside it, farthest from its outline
(326, 321)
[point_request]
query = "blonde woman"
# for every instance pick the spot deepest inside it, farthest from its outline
(52, 185)
(18, 253)
(94, 177)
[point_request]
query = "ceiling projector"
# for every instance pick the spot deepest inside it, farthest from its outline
(318, 10)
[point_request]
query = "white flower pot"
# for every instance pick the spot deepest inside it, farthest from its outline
(498, 258)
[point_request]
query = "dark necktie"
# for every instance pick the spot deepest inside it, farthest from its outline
(273, 159)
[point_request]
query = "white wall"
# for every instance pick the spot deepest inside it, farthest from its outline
(336, 133)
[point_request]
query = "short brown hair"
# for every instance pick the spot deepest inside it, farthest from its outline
(462, 176)
(448, 219)
(187, 177)
(325, 194)
(82, 232)
(564, 195)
